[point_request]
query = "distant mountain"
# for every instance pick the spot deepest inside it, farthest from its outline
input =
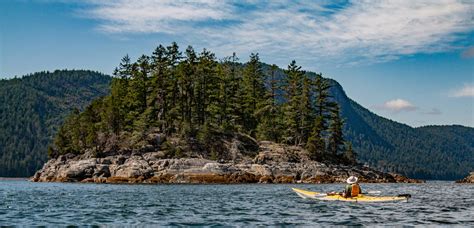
(432, 152)
(31, 109)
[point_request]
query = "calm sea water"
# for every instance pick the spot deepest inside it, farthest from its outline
(26, 203)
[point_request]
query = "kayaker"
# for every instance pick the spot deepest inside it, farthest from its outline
(352, 188)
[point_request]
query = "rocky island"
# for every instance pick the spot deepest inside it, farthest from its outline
(468, 179)
(174, 118)
(271, 163)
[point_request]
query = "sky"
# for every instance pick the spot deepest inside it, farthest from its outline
(409, 61)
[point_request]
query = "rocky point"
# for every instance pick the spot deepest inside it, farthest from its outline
(273, 163)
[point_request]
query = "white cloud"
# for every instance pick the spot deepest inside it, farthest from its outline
(153, 16)
(397, 105)
(357, 32)
(466, 91)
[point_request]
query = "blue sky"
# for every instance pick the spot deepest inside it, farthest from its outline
(410, 61)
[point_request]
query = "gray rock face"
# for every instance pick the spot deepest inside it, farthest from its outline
(274, 163)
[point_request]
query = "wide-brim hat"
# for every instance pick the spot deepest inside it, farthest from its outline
(352, 180)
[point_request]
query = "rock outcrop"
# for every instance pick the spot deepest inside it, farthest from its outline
(468, 179)
(274, 163)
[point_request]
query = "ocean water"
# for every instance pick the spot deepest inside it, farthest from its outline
(27, 203)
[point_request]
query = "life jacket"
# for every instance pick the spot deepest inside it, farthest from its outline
(352, 190)
(355, 190)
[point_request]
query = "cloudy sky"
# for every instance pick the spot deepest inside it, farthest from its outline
(410, 61)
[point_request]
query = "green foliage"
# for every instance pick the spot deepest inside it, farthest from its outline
(196, 97)
(292, 87)
(349, 154)
(253, 92)
(336, 138)
(316, 145)
(269, 111)
(32, 109)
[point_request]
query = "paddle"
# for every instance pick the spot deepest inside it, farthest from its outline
(339, 193)
(405, 195)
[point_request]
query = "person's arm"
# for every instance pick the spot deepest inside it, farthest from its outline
(347, 191)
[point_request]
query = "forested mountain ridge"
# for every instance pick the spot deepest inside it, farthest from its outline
(430, 152)
(31, 109)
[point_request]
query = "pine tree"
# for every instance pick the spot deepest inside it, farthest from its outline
(316, 144)
(116, 107)
(269, 113)
(224, 95)
(336, 138)
(322, 103)
(254, 91)
(186, 76)
(205, 87)
(173, 56)
(306, 109)
(349, 155)
(292, 86)
(236, 93)
(157, 99)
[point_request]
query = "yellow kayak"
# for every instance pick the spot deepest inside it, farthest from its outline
(361, 198)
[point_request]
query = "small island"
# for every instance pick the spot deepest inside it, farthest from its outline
(190, 118)
(467, 180)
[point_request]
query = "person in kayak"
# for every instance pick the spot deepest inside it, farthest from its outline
(352, 188)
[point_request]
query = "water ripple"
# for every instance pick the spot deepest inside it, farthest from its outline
(26, 203)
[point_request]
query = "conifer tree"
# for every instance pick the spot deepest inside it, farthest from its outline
(224, 93)
(254, 91)
(349, 155)
(336, 138)
(236, 93)
(292, 86)
(157, 99)
(186, 77)
(322, 103)
(269, 113)
(173, 56)
(316, 144)
(306, 109)
(205, 89)
(116, 108)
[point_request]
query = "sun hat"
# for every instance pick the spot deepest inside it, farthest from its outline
(352, 180)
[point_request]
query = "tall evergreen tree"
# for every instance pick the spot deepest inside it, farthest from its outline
(316, 144)
(349, 155)
(292, 86)
(254, 91)
(186, 77)
(269, 125)
(336, 138)
(205, 89)
(173, 56)
(236, 93)
(157, 99)
(322, 102)
(306, 109)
